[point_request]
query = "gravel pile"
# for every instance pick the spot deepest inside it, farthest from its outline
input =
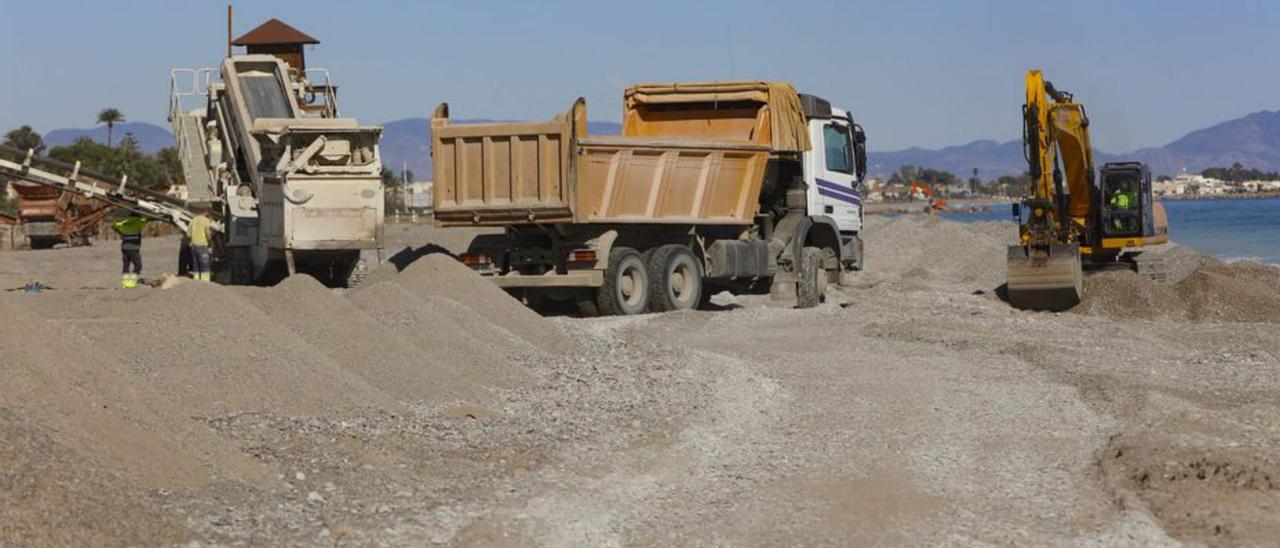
(933, 248)
(351, 337)
(438, 337)
(88, 444)
(114, 399)
(213, 352)
(1243, 291)
(430, 407)
(438, 275)
(1128, 295)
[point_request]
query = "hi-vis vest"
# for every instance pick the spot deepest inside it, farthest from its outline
(130, 229)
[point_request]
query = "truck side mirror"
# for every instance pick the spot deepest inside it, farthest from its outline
(1017, 211)
(859, 151)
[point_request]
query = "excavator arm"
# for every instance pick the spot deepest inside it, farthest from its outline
(1044, 270)
(1060, 157)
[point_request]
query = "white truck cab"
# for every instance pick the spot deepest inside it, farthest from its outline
(834, 168)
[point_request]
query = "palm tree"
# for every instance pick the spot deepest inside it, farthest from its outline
(111, 117)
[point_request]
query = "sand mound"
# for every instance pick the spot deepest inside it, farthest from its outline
(349, 336)
(54, 495)
(1243, 291)
(1239, 292)
(924, 247)
(1126, 294)
(440, 338)
(211, 352)
(83, 439)
(438, 275)
(82, 393)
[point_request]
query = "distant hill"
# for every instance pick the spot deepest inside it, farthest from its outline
(404, 142)
(151, 137)
(1253, 141)
(991, 158)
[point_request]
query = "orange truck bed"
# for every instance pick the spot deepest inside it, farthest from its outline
(701, 165)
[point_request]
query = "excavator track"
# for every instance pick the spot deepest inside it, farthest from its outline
(1052, 282)
(1148, 266)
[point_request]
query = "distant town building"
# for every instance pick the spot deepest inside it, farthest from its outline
(873, 189)
(418, 195)
(1260, 186)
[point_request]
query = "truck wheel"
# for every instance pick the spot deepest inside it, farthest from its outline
(675, 279)
(626, 285)
(812, 288)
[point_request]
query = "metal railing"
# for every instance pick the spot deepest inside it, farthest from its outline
(185, 83)
(318, 93)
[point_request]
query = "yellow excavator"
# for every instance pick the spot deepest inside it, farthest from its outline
(1069, 222)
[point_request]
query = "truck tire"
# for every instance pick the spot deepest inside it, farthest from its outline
(626, 285)
(675, 279)
(812, 288)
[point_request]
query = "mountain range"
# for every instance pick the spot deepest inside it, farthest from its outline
(1252, 140)
(407, 143)
(150, 136)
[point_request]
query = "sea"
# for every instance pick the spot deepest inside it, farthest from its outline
(1230, 230)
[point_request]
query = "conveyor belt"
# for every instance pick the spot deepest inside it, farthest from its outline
(73, 178)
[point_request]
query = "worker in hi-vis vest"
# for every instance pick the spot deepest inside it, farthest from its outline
(130, 230)
(199, 233)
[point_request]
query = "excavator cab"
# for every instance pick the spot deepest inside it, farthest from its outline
(1125, 208)
(1126, 213)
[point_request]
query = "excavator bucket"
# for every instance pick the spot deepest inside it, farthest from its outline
(1040, 281)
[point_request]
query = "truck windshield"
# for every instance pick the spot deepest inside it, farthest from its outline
(837, 146)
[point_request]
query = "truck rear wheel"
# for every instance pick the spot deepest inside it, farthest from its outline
(812, 287)
(626, 285)
(675, 279)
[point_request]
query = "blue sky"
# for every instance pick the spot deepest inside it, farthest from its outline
(915, 72)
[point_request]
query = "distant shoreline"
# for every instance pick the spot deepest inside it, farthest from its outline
(1233, 196)
(958, 205)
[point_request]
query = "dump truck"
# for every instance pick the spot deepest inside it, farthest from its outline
(747, 187)
(262, 143)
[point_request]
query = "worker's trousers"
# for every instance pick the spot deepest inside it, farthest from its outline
(200, 262)
(185, 258)
(132, 260)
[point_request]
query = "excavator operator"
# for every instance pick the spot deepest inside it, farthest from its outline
(1122, 202)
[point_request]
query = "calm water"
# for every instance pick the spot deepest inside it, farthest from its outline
(1227, 229)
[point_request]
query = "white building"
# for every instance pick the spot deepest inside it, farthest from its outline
(418, 195)
(1168, 188)
(1199, 184)
(1261, 186)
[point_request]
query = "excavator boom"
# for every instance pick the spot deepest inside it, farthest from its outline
(1044, 269)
